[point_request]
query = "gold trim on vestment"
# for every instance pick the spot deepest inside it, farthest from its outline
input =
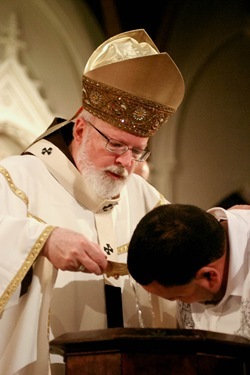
(117, 269)
(161, 201)
(13, 285)
(124, 248)
(19, 193)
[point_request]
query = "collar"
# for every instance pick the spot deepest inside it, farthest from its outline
(237, 237)
(69, 177)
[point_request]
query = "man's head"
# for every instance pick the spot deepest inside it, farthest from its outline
(129, 90)
(178, 252)
(105, 155)
(142, 169)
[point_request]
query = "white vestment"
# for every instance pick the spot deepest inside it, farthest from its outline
(35, 198)
(232, 314)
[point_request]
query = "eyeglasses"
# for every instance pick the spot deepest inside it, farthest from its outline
(120, 148)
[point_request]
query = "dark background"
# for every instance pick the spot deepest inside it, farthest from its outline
(156, 17)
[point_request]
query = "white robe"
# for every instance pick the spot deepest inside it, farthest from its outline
(33, 202)
(232, 314)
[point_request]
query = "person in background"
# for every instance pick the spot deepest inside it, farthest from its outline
(70, 203)
(200, 259)
(143, 169)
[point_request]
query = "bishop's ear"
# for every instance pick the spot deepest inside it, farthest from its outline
(78, 129)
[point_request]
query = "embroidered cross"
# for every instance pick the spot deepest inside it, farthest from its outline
(48, 150)
(109, 207)
(108, 249)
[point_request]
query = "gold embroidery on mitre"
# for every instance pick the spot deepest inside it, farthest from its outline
(134, 114)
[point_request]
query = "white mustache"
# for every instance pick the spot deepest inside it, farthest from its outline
(120, 171)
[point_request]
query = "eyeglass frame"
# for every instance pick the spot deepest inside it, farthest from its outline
(146, 151)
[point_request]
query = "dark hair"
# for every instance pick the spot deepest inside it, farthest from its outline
(172, 242)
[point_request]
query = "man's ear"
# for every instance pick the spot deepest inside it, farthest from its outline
(78, 130)
(208, 278)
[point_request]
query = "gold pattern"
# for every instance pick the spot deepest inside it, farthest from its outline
(34, 251)
(116, 269)
(124, 110)
(35, 217)
(161, 201)
(13, 285)
(122, 249)
(19, 193)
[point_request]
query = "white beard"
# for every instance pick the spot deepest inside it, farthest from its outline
(103, 185)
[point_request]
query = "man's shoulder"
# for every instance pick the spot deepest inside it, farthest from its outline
(21, 165)
(138, 182)
(17, 161)
(138, 187)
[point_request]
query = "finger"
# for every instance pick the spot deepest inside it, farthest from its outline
(96, 254)
(81, 268)
(96, 265)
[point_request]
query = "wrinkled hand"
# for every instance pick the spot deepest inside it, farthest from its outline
(67, 250)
